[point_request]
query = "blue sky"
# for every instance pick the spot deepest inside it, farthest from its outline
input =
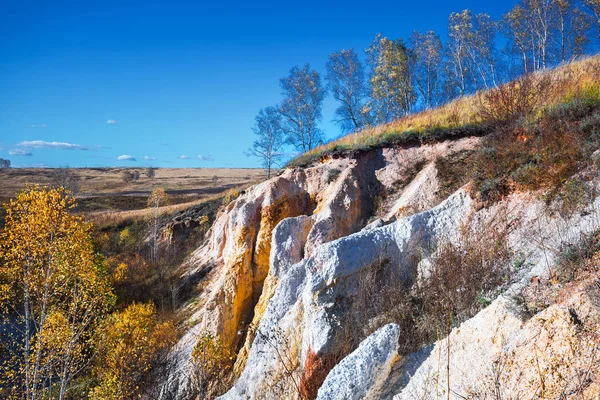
(83, 83)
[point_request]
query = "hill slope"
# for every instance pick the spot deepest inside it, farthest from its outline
(416, 260)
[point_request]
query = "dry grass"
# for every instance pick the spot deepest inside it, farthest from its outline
(114, 218)
(461, 117)
(108, 181)
(534, 145)
(107, 199)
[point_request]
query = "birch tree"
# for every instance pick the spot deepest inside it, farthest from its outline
(302, 107)
(392, 90)
(515, 25)
(472, 56)
(571, 26)
(53, 292)
(540, 13)
(346, 79)
(270, 138)
(427, 51)
(529, 25)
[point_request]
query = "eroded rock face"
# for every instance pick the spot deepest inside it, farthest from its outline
(499, 344)
(301, 318)
(359, 374)
(275, 256)
(289, 239)
(287, 257)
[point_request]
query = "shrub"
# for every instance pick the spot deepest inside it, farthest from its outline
(579, 257)
(127, 176)
(541, 152)
(131, 344)
(150, 172)
(130, 176)
(513, 100)
(591, 125)
(212, 366)
(453, 172)
(461, 280)
(65, 177)
(230, 196)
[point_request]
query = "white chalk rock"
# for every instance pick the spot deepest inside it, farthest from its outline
(358, 375)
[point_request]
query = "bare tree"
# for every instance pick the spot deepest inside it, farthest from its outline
(4, 163)
(483, 49)
(157, 199)
(392, 90)
(301, 107)
(270, 138)
(427, 51)
(346, 78)
(578, 38)
(543, 32)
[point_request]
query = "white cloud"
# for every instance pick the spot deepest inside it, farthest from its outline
(20, 152)
(41, 144)
(126, 157)
(205, 158)
(111, 121)
(38, 126)
(149, 158)
(184, 157)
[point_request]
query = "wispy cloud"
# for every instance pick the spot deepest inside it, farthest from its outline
(20, 152)
(42, 144)
(126, 157)
(111, 121)
(38, 126)
(184, 157)
(205, 158)
(149, 158)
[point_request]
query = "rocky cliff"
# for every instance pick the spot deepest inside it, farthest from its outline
(446, 266)
(305, 276)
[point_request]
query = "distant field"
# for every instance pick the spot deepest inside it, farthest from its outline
(102, 190)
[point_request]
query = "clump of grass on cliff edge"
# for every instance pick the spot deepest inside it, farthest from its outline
(542, 150)
(470, 115)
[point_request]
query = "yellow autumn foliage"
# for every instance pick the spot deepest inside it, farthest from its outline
(130, 342)
(53, 293)
(212, 362)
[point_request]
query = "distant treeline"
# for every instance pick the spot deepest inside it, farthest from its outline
(404, 76)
